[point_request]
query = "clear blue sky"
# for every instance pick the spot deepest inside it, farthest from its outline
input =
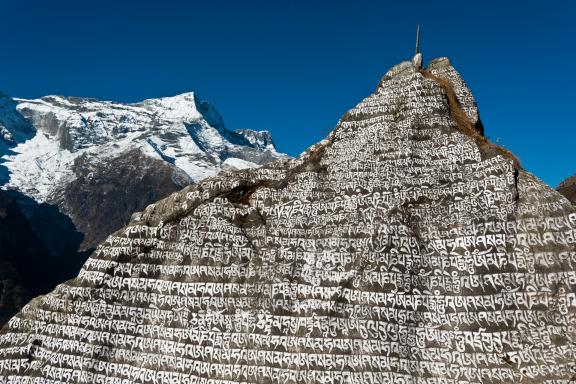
(294, 67)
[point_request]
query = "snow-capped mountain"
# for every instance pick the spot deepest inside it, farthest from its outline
(179, 130)
(99, 161)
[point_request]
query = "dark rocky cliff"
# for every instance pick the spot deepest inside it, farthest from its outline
(26, 267)
(403, 248)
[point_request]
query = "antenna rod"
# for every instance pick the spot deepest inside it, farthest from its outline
(418, 39)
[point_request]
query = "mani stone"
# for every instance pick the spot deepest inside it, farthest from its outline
(393, 251)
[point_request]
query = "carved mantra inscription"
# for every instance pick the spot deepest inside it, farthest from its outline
(391, 252)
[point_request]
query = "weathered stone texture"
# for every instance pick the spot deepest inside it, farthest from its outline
(390, 252)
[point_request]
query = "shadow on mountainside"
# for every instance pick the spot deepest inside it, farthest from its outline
(104, 196)
(4, 172)
(27, 267)
(59, 236)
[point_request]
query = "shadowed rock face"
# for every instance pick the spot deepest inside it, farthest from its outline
(13, 232)
(392, 251)
(568, 189)
(103, 196)
(19, 249)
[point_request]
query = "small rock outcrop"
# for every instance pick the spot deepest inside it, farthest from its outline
(568, 189)
(397, 250)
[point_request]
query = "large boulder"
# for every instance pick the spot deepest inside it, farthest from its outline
(403, 248)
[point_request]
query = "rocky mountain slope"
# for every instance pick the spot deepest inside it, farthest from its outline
(99, 161)
(402, 248)
(568, 189)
